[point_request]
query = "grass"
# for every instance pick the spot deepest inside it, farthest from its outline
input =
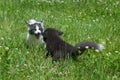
(80, 20)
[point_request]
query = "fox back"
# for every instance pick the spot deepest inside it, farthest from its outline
(56, 47)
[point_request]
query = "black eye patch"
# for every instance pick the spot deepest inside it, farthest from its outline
(41, 29)
(31, 31)
(32, 28)
(39, 25)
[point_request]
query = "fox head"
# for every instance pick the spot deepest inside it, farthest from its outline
(50, 33)
(35, 28)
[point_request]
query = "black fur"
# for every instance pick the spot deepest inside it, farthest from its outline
(33, 28)
(82, 46)
(58, 49)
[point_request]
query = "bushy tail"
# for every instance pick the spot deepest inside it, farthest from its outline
(101, 47)
(82, 46)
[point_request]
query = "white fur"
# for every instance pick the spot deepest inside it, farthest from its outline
(97, 50)
(37, 30)
(31, 39)
(101, 47)
(42, 23)
(32, 21)
(86, 47)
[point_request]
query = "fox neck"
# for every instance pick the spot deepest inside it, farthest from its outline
(32, 40)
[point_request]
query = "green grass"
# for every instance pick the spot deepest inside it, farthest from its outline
(80, 20)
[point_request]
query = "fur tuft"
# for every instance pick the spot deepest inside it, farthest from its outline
(101, 47)
(83, 46)
(32, 21)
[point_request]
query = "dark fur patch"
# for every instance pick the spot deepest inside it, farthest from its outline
(83, 46)
(32, 28)
(56, 47)
(59, 49)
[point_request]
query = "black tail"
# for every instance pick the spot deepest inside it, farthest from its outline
(82, 46)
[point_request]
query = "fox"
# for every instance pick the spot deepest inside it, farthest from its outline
(34, 33)
(59, 49)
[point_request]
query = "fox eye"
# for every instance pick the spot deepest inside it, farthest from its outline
(39, 24)
(34, 29)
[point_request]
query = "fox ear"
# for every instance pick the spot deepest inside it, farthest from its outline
(60, 33)
(42, 22)
(45, 34)
(26, 22)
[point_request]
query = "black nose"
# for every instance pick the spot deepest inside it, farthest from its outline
(38, 33)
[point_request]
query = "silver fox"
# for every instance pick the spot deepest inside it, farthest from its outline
(58, 48)
(35, 30)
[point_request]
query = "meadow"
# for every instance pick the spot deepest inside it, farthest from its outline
(80, 20)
